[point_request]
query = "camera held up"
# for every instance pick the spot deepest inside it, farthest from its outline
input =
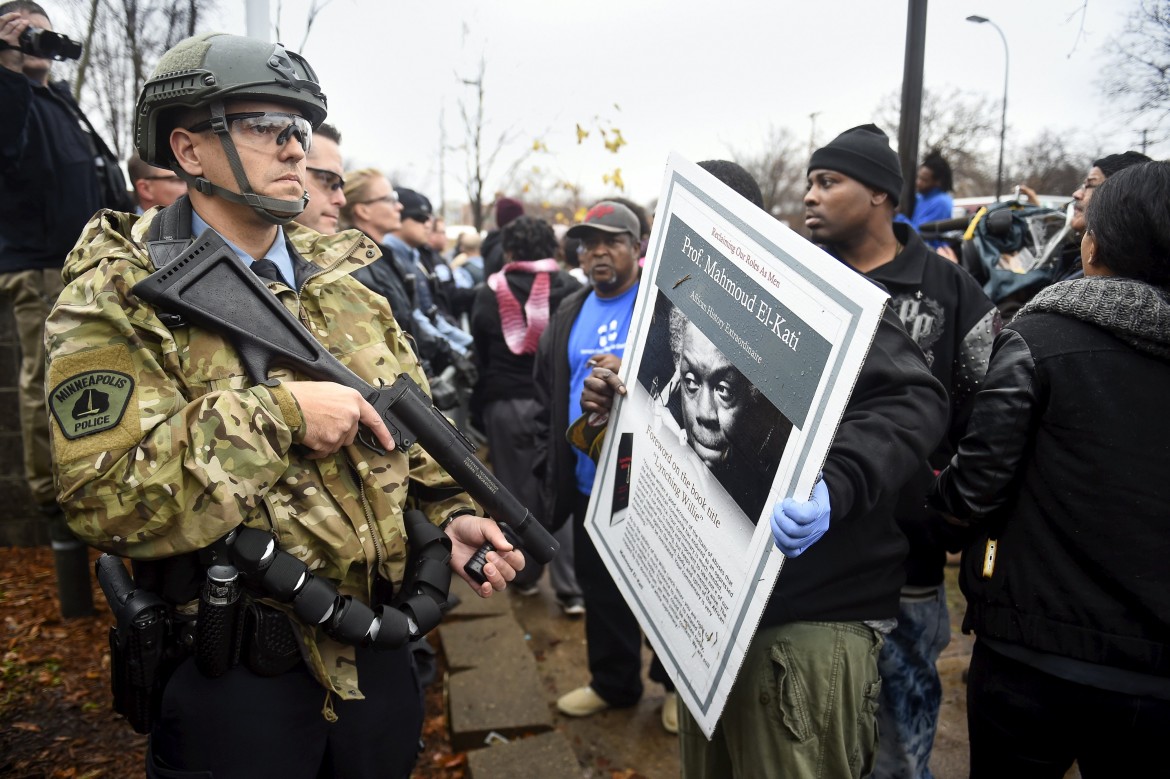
(36, 42)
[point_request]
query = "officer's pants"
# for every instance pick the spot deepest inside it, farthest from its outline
(243, 726)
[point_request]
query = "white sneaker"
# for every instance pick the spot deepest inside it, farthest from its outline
(581, 702)
(670, 713)
(573, 606)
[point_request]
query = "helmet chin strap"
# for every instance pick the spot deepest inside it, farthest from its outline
(270, 209)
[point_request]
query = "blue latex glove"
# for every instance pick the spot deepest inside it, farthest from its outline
(797, 525)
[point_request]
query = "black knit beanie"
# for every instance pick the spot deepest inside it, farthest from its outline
(863, 153)
(1114, 163)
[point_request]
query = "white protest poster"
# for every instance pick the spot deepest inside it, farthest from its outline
(745, 345)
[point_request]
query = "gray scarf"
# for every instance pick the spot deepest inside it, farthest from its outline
(1136, 312)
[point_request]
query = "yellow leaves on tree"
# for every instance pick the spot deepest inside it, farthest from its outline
(614, 143)
(612, 139)
(614, 178)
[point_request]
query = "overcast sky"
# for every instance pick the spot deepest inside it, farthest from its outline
(703, 77)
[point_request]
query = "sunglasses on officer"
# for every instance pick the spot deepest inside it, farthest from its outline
(327, 179)
(264, 130)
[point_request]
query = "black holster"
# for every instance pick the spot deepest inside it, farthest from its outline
(144, 645)
(270, 646)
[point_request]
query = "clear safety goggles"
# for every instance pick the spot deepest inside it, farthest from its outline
(264, 130)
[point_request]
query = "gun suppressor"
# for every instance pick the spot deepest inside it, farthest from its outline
(209, 286)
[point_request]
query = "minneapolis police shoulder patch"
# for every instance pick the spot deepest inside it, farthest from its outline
(90, 402)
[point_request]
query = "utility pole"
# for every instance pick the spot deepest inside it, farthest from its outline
(909, 126)
(812, 132)
(257, 21)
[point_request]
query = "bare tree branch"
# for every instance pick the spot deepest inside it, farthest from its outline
(1083, 11)
(83, 65)
(316, 7)
(780, 171)
(479, 158)
(1050, 164)
(963, 126)
(123, 41)
(1139, 79)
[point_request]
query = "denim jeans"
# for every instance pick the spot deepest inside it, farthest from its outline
(804, 705)
(911, 688)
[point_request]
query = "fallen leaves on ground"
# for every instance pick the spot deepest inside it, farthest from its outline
(56, 721)
(628, 773)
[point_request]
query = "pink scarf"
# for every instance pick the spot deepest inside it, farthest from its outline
(522, 329)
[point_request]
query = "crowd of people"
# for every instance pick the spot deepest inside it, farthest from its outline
(1033, 447)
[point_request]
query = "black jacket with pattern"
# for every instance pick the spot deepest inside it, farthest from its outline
(947, 313)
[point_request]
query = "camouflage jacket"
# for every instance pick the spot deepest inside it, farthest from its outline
(161, 444)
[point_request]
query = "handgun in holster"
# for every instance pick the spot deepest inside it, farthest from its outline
(139, 661)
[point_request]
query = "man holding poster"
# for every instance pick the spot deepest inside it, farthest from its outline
(803, 702)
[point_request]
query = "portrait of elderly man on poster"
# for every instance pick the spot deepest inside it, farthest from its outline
(700, 397)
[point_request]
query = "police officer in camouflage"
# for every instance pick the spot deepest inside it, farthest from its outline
(162, 445)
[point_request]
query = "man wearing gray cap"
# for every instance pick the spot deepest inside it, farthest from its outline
(590, 329)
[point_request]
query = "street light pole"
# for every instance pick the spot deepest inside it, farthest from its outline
(1003, 116)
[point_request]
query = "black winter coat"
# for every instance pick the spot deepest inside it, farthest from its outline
(1064, 464)
(895, 418)
(502, 374)
(950, 317)
(556, 462)
(49, 186)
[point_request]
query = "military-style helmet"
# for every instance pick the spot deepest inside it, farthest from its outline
(208, 70)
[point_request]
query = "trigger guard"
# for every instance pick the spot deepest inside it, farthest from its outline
(370, 441)
(402, 439)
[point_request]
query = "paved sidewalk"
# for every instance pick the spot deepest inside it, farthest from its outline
(614, 741)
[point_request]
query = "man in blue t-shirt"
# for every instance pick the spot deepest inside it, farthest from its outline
(590, 328)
